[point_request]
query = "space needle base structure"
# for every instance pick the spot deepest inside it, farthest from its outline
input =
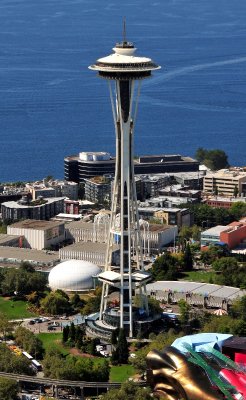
(124, 73)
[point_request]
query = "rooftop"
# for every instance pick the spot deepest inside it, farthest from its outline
(88, 246)
(36, 224)
(5, 238)
(15, 204)
(216, 230)
(203, 289)
(226, 173)
(20, 254)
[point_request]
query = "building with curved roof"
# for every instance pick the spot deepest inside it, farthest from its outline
(73, 276)
(195, 293)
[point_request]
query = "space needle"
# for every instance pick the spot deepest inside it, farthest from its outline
(124, 73)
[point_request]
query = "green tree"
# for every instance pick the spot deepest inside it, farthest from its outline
(221, 324)
(235, 191)
(214, 159)
(200, 154)
(154, 306)
(129, 391)
(114, 336)
(122, 347)
(12, 364)
(26, 266)
(6, 327)
(196, 232)
(239, 328)
(23, 281)
(185, 234)
(165, 268)
(238, 309)
(8, 389)
(29, 342)
(184, 309)
(56, 366)
(238, 210)
(229, 272)
(72, 332)
(93, 303)
(55, 304)
(79, 336)
(188, 259)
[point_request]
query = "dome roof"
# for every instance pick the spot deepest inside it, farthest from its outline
(73, 275)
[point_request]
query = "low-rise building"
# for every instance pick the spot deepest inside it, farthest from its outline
(232, 235)
(40, 209)
(98, 189)
(88, 251)
(38, 234)
(38, 258)
(10, 240)
(154, 236)
(180, 191)
(171, 201)
(212, 236)
(194, 180)
(53, 188)
(152, 184)
(225, 182)
(223, 202)
(169, 216)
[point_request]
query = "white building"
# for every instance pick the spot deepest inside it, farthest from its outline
(73, 276)
(154, 236)
(91, 252)
(38, 234)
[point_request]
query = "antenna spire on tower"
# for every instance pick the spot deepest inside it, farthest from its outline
(124, 30)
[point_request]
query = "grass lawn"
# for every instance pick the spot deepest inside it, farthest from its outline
(199, 276)
(14, 309)
(53, 340)
(120, 373)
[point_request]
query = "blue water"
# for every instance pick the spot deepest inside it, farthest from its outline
(51, 105)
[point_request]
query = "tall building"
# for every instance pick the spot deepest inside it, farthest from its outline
(124, 73)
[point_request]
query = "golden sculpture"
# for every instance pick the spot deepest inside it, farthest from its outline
(174, 377)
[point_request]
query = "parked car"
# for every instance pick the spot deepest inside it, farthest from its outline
(51, 328)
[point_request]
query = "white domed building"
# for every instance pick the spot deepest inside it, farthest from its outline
(73, 276)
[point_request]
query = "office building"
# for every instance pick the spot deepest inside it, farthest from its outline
(86, 165)
(225, 182)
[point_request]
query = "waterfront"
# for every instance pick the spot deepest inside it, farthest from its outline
(51, 105)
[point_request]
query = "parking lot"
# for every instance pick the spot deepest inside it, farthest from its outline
(46, 324)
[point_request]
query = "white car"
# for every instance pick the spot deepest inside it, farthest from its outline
(104, 353)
